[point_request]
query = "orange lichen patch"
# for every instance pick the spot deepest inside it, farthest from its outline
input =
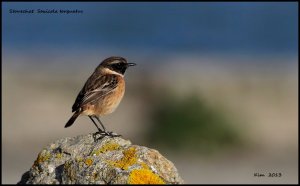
(88, 162)
(106, 147)
(144, 176)
(127, 160)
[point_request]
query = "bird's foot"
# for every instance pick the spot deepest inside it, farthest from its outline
(98, 135)
(103, 134)
(111, 134)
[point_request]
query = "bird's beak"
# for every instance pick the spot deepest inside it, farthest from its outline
(130, 64)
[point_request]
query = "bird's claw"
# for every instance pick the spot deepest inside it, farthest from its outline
(112, 135)
(103, 134)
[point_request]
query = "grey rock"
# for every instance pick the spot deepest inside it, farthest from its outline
(82, 160)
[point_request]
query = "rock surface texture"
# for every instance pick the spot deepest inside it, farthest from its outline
(82, 160)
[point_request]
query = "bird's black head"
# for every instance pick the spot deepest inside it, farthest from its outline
(116, 64)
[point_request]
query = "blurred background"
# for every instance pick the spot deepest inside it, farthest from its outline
(215, 89)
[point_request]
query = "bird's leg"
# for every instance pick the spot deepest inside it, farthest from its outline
(105, 131)
(96, 124)
(99, 130)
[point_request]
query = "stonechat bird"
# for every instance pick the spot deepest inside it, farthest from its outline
(102, 92)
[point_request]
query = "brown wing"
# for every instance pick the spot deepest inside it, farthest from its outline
(95, 87)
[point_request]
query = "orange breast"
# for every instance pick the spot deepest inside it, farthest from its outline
(108, 103)
(111, 101)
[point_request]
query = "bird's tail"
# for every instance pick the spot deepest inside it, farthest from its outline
(72, 119)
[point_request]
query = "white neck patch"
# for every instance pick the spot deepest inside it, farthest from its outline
(108, 71)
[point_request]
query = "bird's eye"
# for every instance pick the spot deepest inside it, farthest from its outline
(117, 65)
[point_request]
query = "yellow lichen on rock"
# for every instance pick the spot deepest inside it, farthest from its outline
(106, 147)
(59, 155)
(127, 160)
(144, 176)
(43, 156)
(82, 160)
